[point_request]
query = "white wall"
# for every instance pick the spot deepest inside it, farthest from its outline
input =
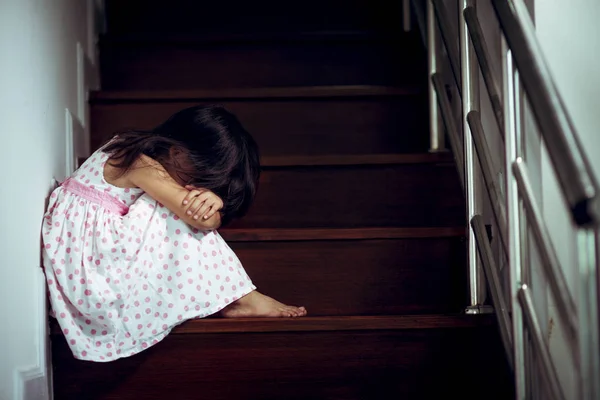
(569, 34)
(38, 81)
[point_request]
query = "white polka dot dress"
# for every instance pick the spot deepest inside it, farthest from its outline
(123, 270)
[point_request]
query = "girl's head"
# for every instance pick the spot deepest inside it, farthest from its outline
(203, 146)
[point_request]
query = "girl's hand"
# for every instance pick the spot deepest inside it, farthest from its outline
(201, 203)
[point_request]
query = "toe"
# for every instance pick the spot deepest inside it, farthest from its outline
(284, 312)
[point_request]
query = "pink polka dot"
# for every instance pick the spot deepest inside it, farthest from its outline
(66, 331)
(58, 271)
(93, 332)
(84, 353)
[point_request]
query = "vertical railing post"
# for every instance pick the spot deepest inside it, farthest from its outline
(470, 102)
(436, 133)
(589, 346)
(512, 144)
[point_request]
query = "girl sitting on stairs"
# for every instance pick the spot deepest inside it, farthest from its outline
(130, 248)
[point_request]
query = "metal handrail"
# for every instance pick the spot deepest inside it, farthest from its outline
(491, 272)
(572, 167)
(578, 183)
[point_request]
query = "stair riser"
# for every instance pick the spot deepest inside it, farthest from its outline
(354, 196)
(318, 365)
(364, 277)
(242, 16)
(139, 66)
(296, 127)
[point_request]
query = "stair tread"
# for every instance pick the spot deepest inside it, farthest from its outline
(327, 323)
(336, 323)
(361, 233)
(350, 159)
(253, 37)
(355, 159)
(254, 93)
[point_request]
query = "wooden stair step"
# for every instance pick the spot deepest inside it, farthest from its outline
(262, 16)
(417, 194)
(216, 38)
(309, 234)
(416, 358)
(335, 323)
(356, 159)
(325, 323)
(441, 158)
(260, 93)
(286, 121)
(163, 61)
(357, 271)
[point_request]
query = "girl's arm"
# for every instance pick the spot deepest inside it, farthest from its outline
(150, 176)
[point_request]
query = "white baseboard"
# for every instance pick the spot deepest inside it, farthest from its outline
(32, 382)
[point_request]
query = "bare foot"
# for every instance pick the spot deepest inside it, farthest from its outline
(256, 304)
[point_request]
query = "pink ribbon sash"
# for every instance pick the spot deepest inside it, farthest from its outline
(102, 199)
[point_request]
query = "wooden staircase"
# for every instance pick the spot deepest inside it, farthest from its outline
(354, 219)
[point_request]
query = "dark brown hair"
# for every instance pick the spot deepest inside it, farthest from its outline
(203, 146)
